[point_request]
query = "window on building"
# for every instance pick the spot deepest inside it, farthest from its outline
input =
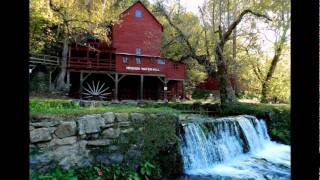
(125, 59)
(175, 66)
(138, 60)
(161, 61)
(138, 51)
(138, 13)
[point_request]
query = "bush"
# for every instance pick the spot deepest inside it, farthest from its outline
(39, 82)
(200, 93)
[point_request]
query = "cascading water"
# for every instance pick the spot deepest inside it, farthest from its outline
(233, 148)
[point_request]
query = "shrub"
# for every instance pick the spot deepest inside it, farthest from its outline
(200, 93)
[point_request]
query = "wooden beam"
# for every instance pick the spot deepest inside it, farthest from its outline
(165, 91)
(160, 79)
(111, 77)
(50, 86)
(86, 76)
(68, 78)
(124, 75)
(183, 90)
(81, 85)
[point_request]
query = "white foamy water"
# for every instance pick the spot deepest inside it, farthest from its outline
(233, 148)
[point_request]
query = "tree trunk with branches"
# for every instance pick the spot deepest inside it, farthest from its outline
(227, 94)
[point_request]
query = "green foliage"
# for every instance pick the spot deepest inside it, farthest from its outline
(66, 108)
(159, 146)
(147, 169)
(39, 82)
(200, 93)
(56, 174)
(97, 172)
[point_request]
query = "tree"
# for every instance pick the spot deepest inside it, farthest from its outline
(226, 93)
(72, 19)
(281, 27)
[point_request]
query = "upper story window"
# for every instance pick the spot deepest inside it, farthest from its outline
(138, 51)
(138, 13)
(138, 60)
(175, 66)
(161, 61)
(125, 59)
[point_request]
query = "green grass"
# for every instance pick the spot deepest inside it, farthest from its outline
(276, 115)
(65, 108)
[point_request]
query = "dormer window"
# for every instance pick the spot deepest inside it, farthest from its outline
(138, 51)
(138, 13)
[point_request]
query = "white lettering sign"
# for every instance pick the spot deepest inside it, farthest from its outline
(143, 69)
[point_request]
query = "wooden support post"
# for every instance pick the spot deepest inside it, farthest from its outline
(81, 83)
(116, 81)
(141, 87)
(68, 78)
(165, 88)
(183, 89)
(50, 86)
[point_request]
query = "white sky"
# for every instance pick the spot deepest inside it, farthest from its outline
(190, 5)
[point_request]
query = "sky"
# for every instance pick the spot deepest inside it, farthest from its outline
(190, 5)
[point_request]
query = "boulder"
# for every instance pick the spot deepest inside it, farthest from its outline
(40, 162)
(100, 142)
(122, 117)
(40, 135)
(66, 129)
(153, 116)
(129, 130)
(90, 124)
(103, 158)
(137, 117)
(45, 124)
(64, 141)
(71, 155)
(113, 148)
(109, 117)
(124, 124)
(116, 157)
(111, 133)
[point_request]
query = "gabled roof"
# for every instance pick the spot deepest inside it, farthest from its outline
(144, 8)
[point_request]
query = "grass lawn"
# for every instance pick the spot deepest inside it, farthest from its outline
(66, 108)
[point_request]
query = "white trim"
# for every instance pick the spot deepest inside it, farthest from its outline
(128, 54)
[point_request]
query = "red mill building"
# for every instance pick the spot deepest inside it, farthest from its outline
(131, 68)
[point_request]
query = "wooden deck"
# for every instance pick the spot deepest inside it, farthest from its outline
(45, 60)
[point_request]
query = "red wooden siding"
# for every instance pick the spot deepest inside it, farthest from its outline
(149, 65)
(137, 32)
(212, 83)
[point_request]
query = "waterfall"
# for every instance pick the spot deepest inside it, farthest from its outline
(233, 147)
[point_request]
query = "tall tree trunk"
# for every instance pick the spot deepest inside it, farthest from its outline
(274, 62)
(226, 92)
(234, 53)
(60, 82)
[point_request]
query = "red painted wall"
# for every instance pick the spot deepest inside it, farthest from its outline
(212, 83)
(137, 32)
(166, 69)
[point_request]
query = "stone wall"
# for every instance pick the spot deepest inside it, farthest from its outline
(85, 140)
